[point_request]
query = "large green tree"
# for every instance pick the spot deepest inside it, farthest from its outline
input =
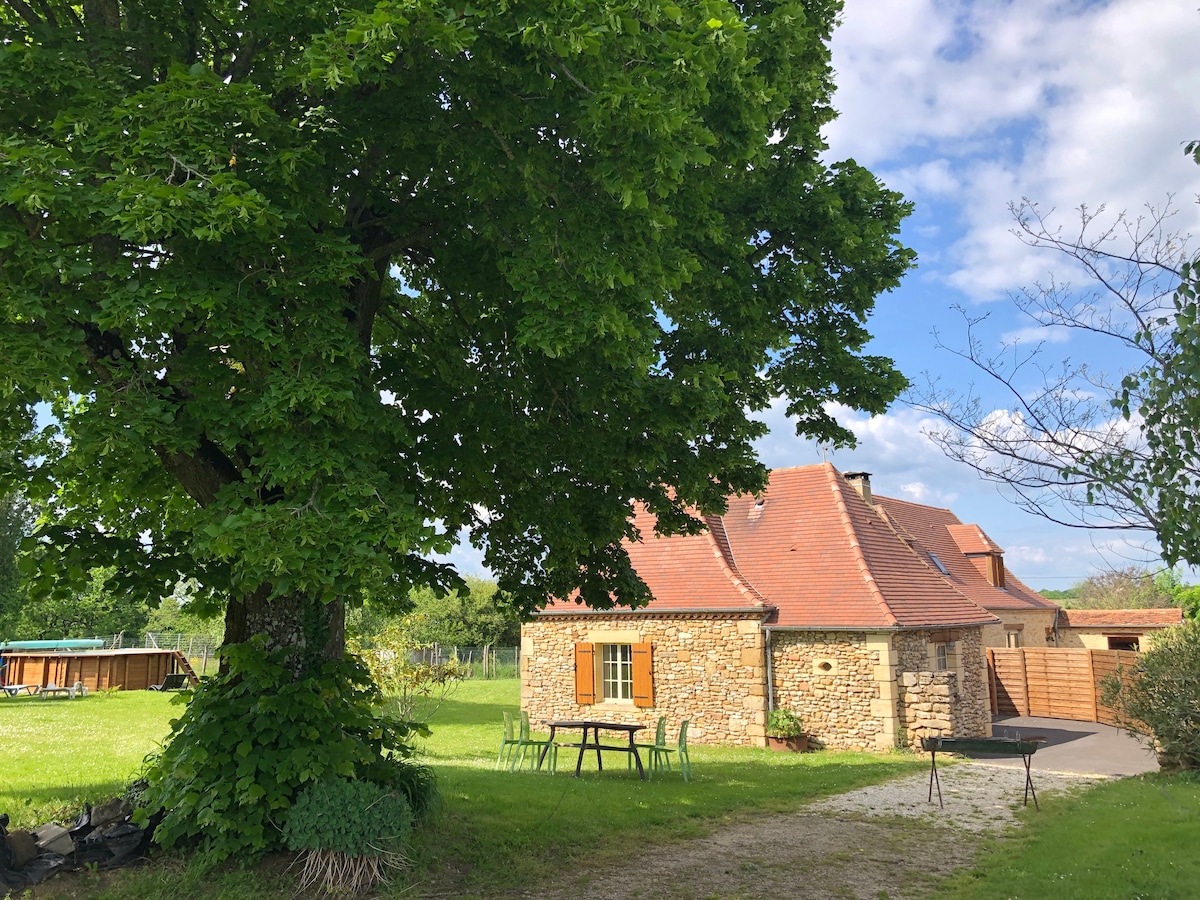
(311, 288)
(95, 611)
(471, 617)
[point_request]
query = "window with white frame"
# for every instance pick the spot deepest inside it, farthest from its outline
(941, 657)
(616, 671)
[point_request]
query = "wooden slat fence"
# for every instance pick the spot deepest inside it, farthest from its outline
(1054, 683)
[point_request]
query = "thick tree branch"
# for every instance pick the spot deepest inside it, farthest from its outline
(24, 11)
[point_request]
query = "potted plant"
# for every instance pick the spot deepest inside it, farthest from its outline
(785, 731)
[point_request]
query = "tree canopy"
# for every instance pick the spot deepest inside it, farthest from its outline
(1131, 587)
(311, 288)
(472, 617)
(14, 525)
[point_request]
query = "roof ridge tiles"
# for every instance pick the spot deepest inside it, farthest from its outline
(724, 552)
(837, 485)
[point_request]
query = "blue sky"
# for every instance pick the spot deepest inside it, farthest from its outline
(965, 108)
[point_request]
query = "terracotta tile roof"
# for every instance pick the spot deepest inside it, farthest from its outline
(685, 571)
(821, 554)
(810, 547)
(971, 539)
(1127, 618)
(936, 532)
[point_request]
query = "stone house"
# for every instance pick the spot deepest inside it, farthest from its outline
(974, 564)
(1114, 629)
(814, 597)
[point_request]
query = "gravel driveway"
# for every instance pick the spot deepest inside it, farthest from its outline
(886, 840)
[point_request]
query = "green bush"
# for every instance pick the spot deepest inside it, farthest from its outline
(251, 740)
(412, 691)
(356, 818)
(1161, 696)
(783, 723)
(419, 786)
(351, 834)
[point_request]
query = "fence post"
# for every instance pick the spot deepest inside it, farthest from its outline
(1095, 688)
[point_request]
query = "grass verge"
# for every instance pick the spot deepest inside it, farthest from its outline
(1132, 838)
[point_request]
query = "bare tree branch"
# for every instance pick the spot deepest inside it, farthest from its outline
(1075, 444)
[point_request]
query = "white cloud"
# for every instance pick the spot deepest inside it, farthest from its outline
(1037, 334)
(902, 461)
(933, 178)
(905, 464)
(1059, 102)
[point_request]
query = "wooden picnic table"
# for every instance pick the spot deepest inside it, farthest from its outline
(595, 744)
(1002, 746)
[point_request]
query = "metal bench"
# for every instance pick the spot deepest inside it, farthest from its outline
(1024, 747)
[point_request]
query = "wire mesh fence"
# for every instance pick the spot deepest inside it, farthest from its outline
(477, 662)
(200, 649)
(487, 661)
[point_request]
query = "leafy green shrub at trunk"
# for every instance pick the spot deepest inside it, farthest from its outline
(1161, 699)
(249, 743)
(350, 834)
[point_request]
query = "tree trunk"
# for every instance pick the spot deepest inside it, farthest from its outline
(312, 631)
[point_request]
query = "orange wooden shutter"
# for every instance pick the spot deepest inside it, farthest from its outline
(585, 673)
(643, 676)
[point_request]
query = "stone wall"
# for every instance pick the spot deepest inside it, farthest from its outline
(954, 701)
(1097, 638)
(973, 713)
(709, 670)
(855, 690)
(828, 678)
(928, 700)
(1031, 624)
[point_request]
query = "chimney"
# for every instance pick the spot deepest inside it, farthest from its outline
(995, 570)
(861, 482)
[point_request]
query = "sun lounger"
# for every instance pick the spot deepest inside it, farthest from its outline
(78, 689)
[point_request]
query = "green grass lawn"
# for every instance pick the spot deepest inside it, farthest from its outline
(498, 830)
(1132, 838)
(503, 831)
(56, 754)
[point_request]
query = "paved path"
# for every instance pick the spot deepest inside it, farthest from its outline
(1085, 748)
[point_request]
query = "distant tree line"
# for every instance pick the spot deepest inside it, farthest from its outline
(481, 615)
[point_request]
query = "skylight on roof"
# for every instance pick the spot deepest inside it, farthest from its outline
(938, 563)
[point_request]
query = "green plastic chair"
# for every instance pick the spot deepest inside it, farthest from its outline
(509, 745)
(658, 752)
(663, 753)
(525, 741)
